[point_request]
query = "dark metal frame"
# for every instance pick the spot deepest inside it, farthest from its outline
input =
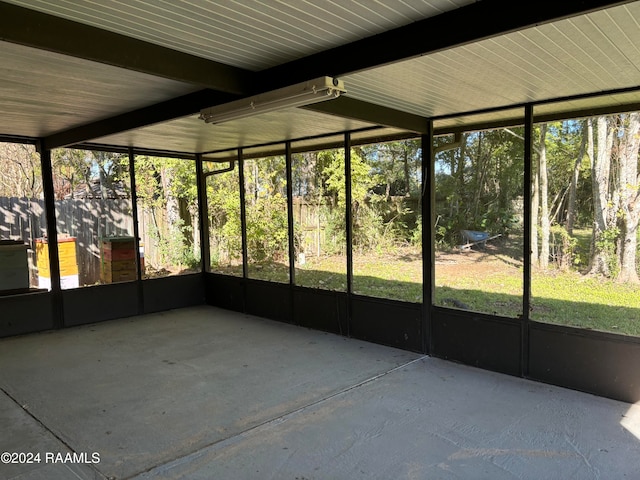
(91, 304)
(526, 254)
(222, 83)
(52, 235)
(348, 218)
(428, 249)
(566, 356)
(136, 228)
(516, 346)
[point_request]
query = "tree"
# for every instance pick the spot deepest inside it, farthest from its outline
(266, 209)
(75, 172)
(21, 173)
(629, 194)
(545, 224)
(535, 208)
(223, 207)
(167, 191)
(604, 232)
(573, 188)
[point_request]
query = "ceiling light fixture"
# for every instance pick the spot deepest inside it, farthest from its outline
(306, 93)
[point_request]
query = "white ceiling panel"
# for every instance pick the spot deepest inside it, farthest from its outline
(620, 102)
(254, 34)
(42, 92)
(190, 134)
(586, 54)
(512, 116)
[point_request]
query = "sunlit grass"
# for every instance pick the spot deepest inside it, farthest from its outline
(488, 285)
(569, 298)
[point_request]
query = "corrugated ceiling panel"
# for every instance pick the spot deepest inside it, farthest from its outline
(249, 34)
(587, 54)
(589, 106)
(193, 135)
(621, 26)
(512, 116)
(42, 92)
(624, 101)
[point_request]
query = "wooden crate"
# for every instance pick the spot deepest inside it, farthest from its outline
(66, 255)
(14, 266)
(118, 260)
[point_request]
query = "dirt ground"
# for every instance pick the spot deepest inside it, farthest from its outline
(493, 258)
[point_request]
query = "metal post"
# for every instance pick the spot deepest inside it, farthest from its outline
(243, 215)
(136, 228)
(203, 215)
(290, 227)
(292, 249)
(348, 225)
(526, 297)
(427, 199)
(52, 236)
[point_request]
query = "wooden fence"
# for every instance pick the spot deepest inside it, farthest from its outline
(310, 229)
(86, 220)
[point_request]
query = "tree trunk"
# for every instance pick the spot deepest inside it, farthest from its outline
(629, 202)
(407, 181)
(600, 173)
(479, 169)
(174, 235)
(545, 226)
(571, 205)
(535, 212)
(255, 182)
(387, 192)
(459, 174)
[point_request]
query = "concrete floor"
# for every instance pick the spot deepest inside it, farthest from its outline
(203, 393)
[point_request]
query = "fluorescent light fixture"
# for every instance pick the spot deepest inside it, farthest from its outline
(306, 93)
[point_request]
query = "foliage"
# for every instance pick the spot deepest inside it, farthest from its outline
(266, 209)
(167, 188)
(267, 234)
(336, 235)
(564, 247)
(607, 243)
(158, 179)
(223, 207)
(384, 178)
(171, 248)
(416, 234)
(21, 171)
(478, 184)
(385, 187)
(75, 171)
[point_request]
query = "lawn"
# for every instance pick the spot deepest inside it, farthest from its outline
(488, 281)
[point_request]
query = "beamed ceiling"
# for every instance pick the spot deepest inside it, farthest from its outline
(136, 73)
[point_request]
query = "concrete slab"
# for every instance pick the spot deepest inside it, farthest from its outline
(147, 390)
(203, 393)
(43, 455)
(431, 419)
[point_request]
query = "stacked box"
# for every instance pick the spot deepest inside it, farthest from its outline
(14, 265)
(67, 259)
(118, 260)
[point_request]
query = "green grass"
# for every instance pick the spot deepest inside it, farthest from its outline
(569, 298)
(491, 285)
